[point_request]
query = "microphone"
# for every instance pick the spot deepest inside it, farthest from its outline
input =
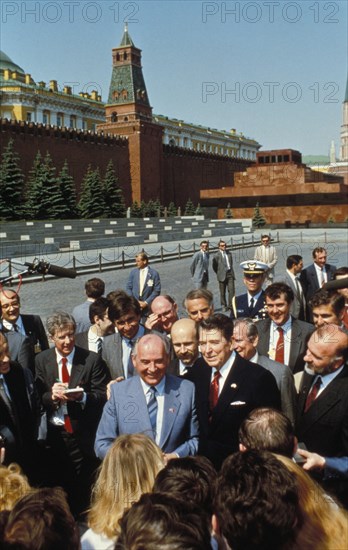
(45, 268)
(336, 284)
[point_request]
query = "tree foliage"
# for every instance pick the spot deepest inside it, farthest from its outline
(11, 184)
(113, 195)
(258, 218)
(189, 208)
(91, 203)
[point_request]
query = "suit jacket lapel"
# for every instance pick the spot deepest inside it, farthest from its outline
(137, 396)
(296, 341)
(170, 412)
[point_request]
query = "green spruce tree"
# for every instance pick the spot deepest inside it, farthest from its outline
(172, 210)
(44, 197)
(144, 209)
(136, 211)
(258, 218)
(198, 211)
(67, 188)
(91, 203)
(53, 200)
(189, 208)
(11, 184)
(114, 199)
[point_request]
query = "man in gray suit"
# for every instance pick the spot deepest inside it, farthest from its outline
(245, 340)
(294, 266)
(94, 289)
(223, 267)
(281, 337)
(267, 254)
(125, 313)
(157, 404)
(200, 266)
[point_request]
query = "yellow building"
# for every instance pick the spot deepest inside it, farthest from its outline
(23, 99)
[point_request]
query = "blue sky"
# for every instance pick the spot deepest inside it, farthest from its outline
(274, 70)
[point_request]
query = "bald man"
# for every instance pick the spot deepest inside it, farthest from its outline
(322, 413)
(185, 338)
(164, 313)
(154, 403)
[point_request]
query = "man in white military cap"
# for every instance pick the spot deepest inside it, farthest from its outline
(252, 303)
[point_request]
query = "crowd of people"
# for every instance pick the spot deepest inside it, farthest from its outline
(124, 426)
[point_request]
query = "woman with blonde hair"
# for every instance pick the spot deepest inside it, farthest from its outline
(324, 524)
(13, 486)
(128, 470)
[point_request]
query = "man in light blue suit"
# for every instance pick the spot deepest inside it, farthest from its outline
(200, 266)
(144, 282)
(157, 404)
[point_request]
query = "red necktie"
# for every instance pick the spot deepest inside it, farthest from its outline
(279, 352)
(312, 394)
(214, 391)
(66, 379)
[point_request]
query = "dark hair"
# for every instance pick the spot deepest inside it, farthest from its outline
(341, 271)
(318, 250)
(292, 260)
(324, 297)
(191, 478)
(94, 288)
(203, 242)
(41, 520)
(275, 290)
(122, 305)
(98, 307)
(198, 293)
(268, 430)
(256, 502)
(160, 521)
(219, 322)
(115, 294)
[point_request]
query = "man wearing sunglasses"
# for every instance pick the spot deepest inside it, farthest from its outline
(252, 303)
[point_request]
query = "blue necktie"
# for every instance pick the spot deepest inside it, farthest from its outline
(152, 408)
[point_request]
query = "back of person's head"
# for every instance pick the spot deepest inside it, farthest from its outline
(99, 308)
(113, 294)
(267, 429)
(324, 523)
(121, 305)
(256, 502)
(128, 470)
(292, 260)
(159, 521)
(191, 478)
(341, 272)
(94, 288)
(13, 486)
(42, 520)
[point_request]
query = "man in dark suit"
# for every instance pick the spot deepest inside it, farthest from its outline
(322, 413)
(245, 339)
(72, 385)
(155, 403)
(294, 266)
(19, 412)
(27, 325)
(185, 343)
(199, 267)
(316, 275)
(281, 337)
(143, 282)
(223, 267)
(251, 304)
(227, 389)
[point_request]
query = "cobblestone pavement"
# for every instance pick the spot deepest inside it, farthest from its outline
(43, 298)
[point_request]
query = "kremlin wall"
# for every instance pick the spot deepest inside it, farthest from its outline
(157, 157)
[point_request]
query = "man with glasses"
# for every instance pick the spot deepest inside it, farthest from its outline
(71, 382)
(267, 254)
(223, 267)
(164, 313)
(27, 325)
(252, 303)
